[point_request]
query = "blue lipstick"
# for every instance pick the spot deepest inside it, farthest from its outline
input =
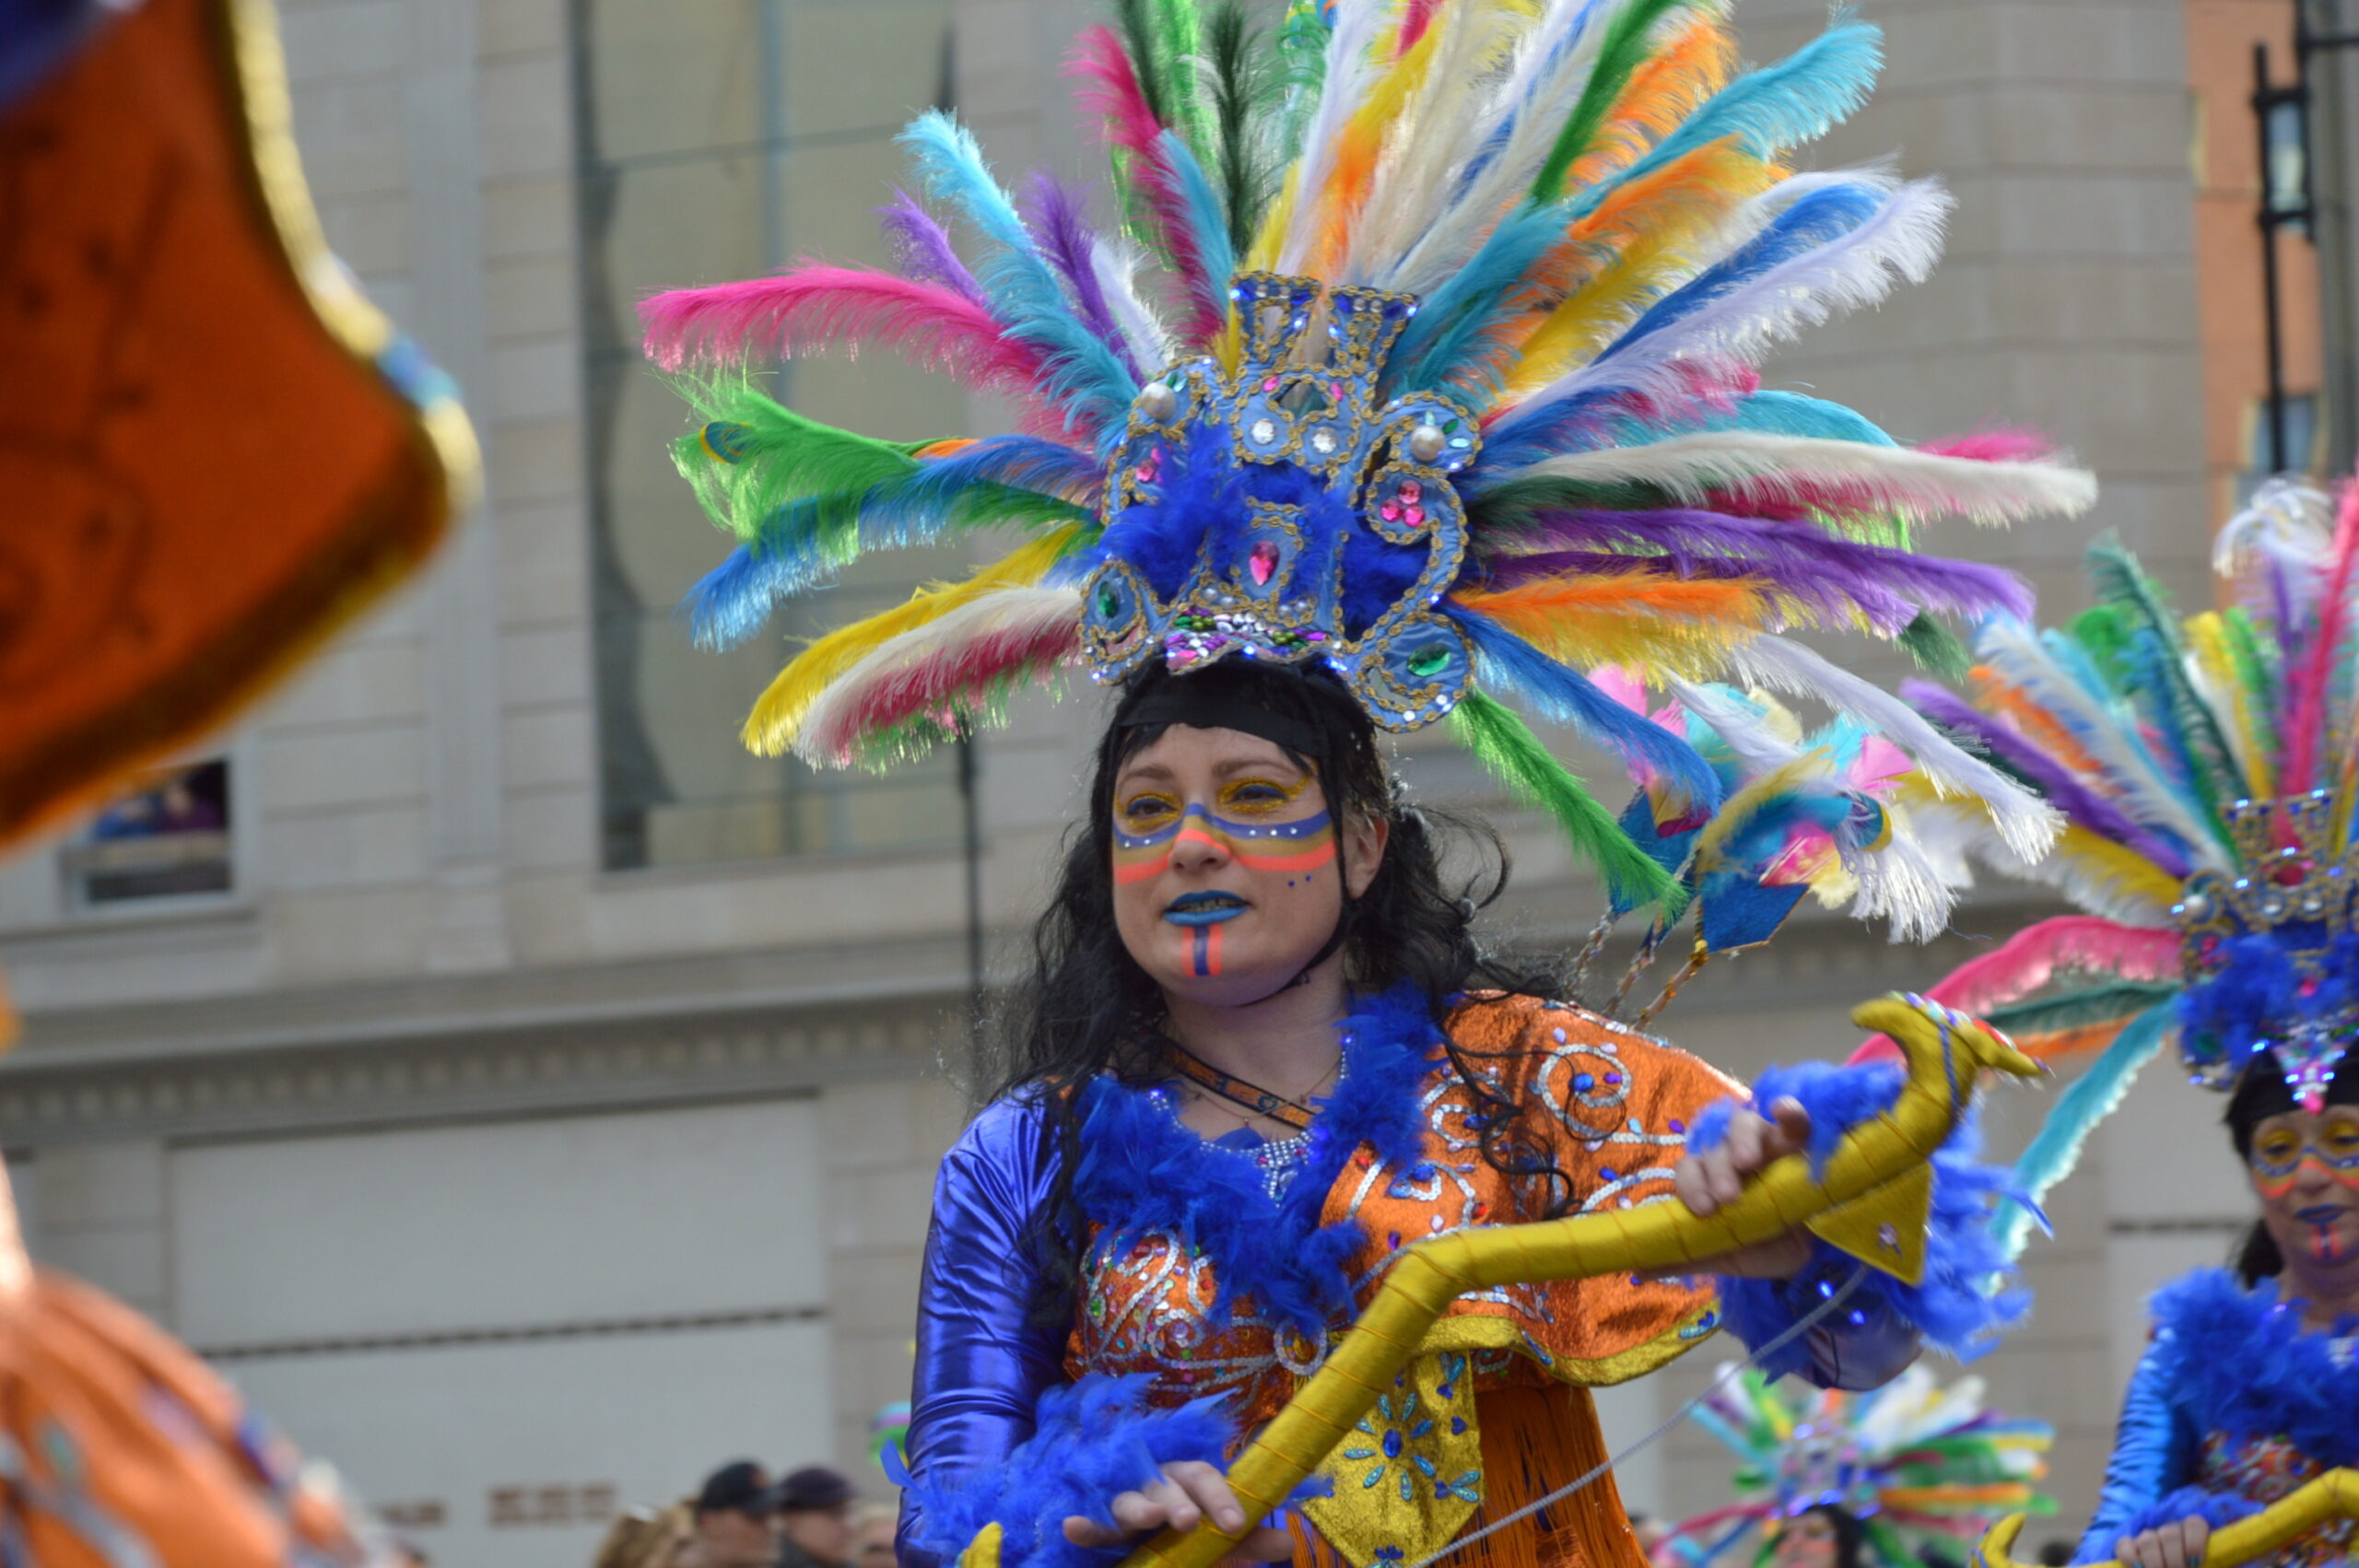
(1204, 908)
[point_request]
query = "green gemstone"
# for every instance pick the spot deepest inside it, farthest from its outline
(1451, 428)
(1429, 661)
(1108, 602)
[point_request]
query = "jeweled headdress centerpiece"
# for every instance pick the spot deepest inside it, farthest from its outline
(2268, 947)
(1281, 512)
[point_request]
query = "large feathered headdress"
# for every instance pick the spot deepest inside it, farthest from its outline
(2206, 768)
(1443, 375)
(1924, 1470)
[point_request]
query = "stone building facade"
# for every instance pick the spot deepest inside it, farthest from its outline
(540, 1105)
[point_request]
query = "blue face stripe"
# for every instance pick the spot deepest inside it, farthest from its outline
(1309, 826)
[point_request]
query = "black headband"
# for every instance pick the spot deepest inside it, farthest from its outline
(1206, 705)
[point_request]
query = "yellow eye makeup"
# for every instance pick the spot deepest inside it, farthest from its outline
(1259, 797)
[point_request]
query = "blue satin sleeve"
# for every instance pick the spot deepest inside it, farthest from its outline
(2153, 1454)
(982, 1362)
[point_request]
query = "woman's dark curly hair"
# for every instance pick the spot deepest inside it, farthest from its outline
(1087, 1009)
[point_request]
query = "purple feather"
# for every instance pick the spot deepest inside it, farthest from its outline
(921, 249)
(2050, 778)
(1889, 586)
(1063, 235)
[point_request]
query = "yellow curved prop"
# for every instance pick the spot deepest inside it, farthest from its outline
(2334, 1496)
(1870, 1200)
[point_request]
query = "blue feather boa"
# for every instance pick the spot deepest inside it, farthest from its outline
(1955, 1307)
(2240, 1362)
(1092, 1441)
(1142, 1171)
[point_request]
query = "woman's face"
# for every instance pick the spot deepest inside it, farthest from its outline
(1808, 1541)
(1228, 871)
(2304, 1170)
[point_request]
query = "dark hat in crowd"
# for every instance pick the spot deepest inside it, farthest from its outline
(741, 1487)
(812, 1489)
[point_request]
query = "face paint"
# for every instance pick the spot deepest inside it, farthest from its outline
(1258, 846)
(1207, 953)
(2281, 1150)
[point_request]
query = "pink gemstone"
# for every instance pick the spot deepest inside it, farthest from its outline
(1262, 562)
(1412, 491)
(1270, 385)
(1388, 512)
(1416, 517)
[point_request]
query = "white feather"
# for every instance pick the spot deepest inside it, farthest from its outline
(830, 731)
(1349, 70)
(2026, 824)
(1691, 467)
(1149, 340)
(1413, 176)
(1901, 240)
(1948, 832)
(1552, 67)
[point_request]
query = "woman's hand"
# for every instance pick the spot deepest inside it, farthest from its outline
(1189, 1490)
(1707, 1182)
(2178, 1544)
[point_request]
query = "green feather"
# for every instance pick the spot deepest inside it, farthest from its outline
(1240, 69)
(2117, 1002)
(2122, 585)
(1628, 44)
(1301, 72)
(1937, 650)
(1179, 43)
(1506, 746)
(1134, 21)
(2255, 660)
(751, 455)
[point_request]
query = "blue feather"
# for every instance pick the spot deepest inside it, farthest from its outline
(1767, 111)
(1588, 421)
(1566, 696)
(1822, 216)
(1965, 1297)
(1207, 226)
(1489, 289)
(1086, 377)
(2049, 1157)
(1091, 1440)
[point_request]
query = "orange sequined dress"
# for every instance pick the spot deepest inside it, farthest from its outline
(1225, 1272)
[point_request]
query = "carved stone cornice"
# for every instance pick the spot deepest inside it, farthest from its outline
(698, 1029)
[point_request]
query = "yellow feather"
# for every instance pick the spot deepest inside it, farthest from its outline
(784, 703)
(1738, 809)
(2208, 640)
(1362, 143)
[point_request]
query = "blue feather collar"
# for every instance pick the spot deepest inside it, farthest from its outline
(1141, 1171)
(2243, 1366)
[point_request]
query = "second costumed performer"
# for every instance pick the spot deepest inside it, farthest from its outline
(2207, 770)
(1446, 398)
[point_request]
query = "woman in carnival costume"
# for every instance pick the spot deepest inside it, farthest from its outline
(1445, 397)
(1910, 1477)
(2206, 769)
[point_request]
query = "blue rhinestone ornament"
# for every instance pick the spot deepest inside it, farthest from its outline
(2266, 951)
(1284, 513)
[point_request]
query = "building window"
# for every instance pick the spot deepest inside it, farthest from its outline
(167, 840)
(2301, 443)
(721, 139)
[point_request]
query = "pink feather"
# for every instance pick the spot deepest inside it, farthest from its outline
(1999, 445)
(1414, 23)
(2030, 958)
(2310, 686)
(1110, 89)
(940, 683)
(816, 307)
